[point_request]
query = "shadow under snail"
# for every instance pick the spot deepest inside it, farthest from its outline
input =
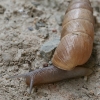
(74, 49)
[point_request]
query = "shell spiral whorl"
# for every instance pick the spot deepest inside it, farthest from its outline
(76, 37)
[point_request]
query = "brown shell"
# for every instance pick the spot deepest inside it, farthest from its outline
(76, 37)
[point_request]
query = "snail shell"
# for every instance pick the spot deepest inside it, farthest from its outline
(76, 37)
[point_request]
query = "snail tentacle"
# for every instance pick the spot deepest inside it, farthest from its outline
(31, 85)
(17, 76)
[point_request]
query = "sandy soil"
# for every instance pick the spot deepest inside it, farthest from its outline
(24, 26)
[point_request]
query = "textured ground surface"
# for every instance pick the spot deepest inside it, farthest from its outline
(24, 26)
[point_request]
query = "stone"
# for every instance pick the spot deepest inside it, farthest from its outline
(59, 18)
(35, 3)
(1, 64)
(43, 33)
(98, 20)
(47, 49)
(97, 9)
(30, 28)
(39, 24)
(7, 57)
(97, 40)
(18, 54)
(53, 4)
(2, 9)
(32, 11)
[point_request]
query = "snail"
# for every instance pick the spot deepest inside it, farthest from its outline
(74, 49)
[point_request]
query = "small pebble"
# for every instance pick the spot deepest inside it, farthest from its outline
(2, 9)
(30, 28)
(54, 30)
(36, 4)
(40, 24)
(97, 9)
(50, 62)
(45, 65)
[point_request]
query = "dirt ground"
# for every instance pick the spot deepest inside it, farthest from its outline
(24, 26)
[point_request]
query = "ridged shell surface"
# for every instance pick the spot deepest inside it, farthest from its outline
(76, 36)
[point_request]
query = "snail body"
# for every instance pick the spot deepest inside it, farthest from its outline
(51, 74)
(74, 49)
